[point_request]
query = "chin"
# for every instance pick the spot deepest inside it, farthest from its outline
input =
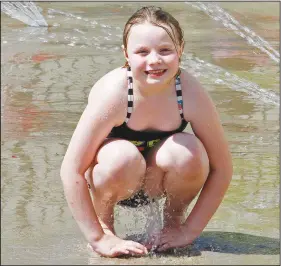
(159, 80)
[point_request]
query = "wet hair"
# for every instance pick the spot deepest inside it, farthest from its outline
(158, 17)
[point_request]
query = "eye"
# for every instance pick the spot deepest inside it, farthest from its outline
(142, 52)
(165, 50)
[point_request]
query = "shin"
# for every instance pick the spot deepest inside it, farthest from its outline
(117, 174)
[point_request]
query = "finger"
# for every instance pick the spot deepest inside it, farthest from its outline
(136, 245)
(119, 251)
(135, 250)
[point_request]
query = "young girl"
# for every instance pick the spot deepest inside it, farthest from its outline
(130, 145)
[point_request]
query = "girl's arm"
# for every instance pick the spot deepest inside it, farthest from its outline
(104, 111)
(207, 127)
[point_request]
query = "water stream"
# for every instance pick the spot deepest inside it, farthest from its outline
(26, 12)
(219, 14)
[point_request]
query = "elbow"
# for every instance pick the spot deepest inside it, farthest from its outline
(66, 171)
(69, 172)
(223, 172)
(229, 167)
(226, 168)
(228, 172)
(63, 168)
(62, 173)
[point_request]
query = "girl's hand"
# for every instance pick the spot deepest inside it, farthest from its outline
(174, 237)
(113, 246)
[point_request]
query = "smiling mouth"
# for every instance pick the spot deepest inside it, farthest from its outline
(156, 72)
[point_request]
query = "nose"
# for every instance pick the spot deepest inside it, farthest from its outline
(153, 58)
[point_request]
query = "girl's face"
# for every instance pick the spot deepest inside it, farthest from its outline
(152, 55)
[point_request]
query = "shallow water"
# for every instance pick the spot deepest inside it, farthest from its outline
(46, 76)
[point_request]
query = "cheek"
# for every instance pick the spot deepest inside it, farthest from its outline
(172, 60)
(137, 62)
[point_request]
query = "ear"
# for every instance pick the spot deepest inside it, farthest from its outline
(125, 52)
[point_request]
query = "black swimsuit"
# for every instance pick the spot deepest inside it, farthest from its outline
(144, 140)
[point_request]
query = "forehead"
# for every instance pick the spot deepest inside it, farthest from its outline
(147, 32)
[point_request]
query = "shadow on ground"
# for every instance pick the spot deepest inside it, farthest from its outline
(224, 242)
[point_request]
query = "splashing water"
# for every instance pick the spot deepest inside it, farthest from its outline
(26, 12)
(154, 222)
(219, 14)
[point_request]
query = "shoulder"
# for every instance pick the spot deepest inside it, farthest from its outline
(110, 88)
(111, 84)
(195, 96)
(189, 83)
(109, 93)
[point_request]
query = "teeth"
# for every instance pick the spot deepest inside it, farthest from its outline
(155, 71)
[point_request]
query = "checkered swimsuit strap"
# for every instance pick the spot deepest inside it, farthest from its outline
(179, 96)
(131, 95)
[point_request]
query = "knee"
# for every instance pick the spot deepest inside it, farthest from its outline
(123, 165)
(126, 159)
(185, 156)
